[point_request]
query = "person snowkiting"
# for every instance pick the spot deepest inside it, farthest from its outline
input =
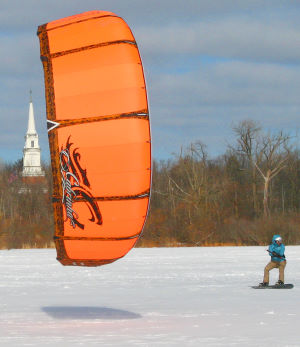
(276, 251)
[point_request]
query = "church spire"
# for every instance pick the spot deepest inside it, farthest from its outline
(31, 123)
(32, 151)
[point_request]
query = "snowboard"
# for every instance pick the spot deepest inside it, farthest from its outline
(285, 286)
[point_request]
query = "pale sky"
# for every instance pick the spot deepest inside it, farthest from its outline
(208, 65)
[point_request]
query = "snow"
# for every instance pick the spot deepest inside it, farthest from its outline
(152, 297)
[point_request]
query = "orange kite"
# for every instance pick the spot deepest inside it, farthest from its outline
(99, 136)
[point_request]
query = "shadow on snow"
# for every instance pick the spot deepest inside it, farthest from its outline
(87, 312)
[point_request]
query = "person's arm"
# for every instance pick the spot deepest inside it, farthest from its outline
(281, 251)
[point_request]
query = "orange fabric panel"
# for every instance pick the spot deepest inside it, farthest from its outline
(113, 76)
(98, 58)
(120, 219)
(120, 77)
(116, 156)
(127, 100)
(106, 133)
(98, 249)
(100, 146)
(86, 33)
(77, 18)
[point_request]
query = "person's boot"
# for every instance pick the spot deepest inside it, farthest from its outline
(279, 283)
(264, 284)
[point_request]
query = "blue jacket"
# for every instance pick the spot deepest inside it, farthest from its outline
(279, 249)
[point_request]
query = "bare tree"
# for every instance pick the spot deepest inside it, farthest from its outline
(248, 145)
(270, 160)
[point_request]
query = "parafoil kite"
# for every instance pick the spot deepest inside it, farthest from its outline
(99, 136)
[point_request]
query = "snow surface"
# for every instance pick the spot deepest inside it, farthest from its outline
(152, 297)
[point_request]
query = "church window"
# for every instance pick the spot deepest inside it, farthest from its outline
(32, 143)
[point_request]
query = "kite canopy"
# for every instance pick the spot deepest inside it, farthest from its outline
(99, 136)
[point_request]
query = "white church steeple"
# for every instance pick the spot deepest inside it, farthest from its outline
(31, 122)
(32, 152)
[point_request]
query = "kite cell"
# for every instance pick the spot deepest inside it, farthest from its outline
(99, 136)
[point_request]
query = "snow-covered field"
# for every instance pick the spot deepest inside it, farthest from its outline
(152, 297)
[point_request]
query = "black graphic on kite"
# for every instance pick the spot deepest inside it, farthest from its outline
(76, 186)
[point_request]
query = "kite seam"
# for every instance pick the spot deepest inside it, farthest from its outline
(82, 238)
(69, 122)
(97, 45)
(142, 195)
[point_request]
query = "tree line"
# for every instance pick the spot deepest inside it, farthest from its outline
(241, 197)
(26, 218)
